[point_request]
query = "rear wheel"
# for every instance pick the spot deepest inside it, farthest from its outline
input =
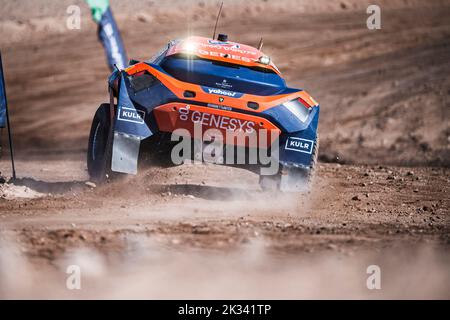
(100, 147)
(315, 157)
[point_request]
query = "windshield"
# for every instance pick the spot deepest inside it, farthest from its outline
(223, 75)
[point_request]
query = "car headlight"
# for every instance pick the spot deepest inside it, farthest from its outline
(264, 60)
(190, 47)
(299, 108)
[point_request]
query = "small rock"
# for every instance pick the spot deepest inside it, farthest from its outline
(201, 230)
(142, 18)
(390, 177)
(90, 184)
(73, 225)
(356, 198)
(410, 173)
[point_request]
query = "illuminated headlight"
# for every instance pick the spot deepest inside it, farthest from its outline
(298, 109)
(189, 47)
(264, 60)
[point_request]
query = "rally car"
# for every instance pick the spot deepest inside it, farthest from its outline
(201, 84)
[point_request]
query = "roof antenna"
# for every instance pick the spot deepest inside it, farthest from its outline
(260, 45)
(217, 21)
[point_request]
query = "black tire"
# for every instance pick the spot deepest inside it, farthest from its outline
(100, 146)
(315, 157)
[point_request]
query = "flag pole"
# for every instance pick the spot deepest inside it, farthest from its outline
(11, 149)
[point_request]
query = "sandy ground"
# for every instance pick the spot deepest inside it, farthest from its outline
(381, 195)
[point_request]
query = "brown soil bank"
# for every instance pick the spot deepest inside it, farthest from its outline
(384, 94)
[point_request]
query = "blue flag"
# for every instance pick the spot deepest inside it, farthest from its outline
(2, 97)
(109, 35)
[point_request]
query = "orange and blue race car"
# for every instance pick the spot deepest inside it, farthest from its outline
(207, 90)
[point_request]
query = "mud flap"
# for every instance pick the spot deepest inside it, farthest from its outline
(294, 179)
(125, 153)
(129, 129)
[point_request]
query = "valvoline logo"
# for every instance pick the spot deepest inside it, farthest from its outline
(299, 145)
(222, 92)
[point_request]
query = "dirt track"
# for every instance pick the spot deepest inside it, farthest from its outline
(199, 231)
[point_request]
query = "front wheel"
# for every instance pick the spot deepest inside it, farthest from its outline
(99, 148)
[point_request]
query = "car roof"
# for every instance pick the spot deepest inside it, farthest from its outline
(216, 50)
